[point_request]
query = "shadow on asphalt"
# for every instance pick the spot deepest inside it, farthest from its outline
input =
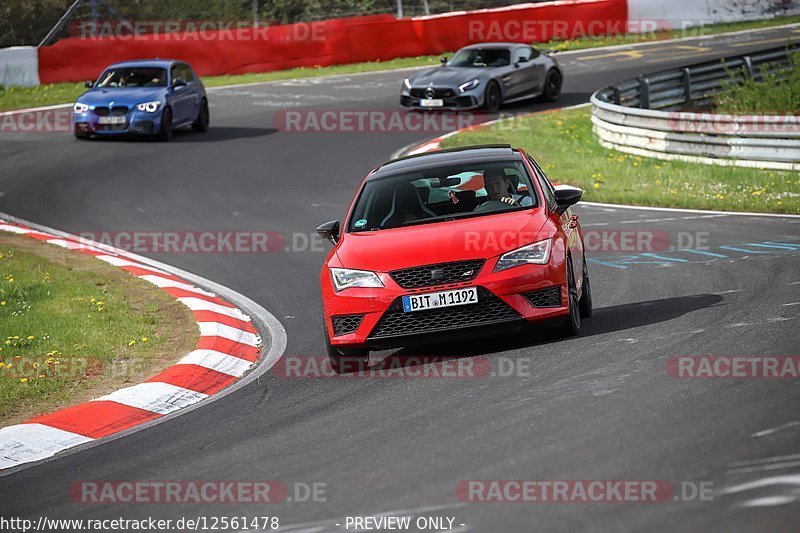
(603, 320)
(220, 133)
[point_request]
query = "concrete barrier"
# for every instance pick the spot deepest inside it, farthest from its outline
(19, 66)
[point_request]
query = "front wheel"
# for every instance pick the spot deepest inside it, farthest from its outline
(165, 134)
(586, 294)
(201, 122)
(552, 86)
(82, 136)
(491, 98)
(572, 323)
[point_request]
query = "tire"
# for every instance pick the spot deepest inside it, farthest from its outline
(82, 136)
(165, 134)
(552, 86)
(572, 323)
(585, 305)
(200, 124)
(345, 362)
(492, 97)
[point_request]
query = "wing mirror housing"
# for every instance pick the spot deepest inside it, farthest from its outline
(521, 60)
(567, 196)
(443, 60)
(329, 231)
(88, 84)
(178, 83)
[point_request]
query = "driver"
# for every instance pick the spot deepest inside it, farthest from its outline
(498, 187)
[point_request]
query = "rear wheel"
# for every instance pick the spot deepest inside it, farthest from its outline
(491, 98)
(345, 362)
(201, 123)
(572, 323)
(165, 134)
(552, 86)
(586, 295)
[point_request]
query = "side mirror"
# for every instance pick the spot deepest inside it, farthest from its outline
(521, 60)
(88, 84)
(177, 82)
(567, 196)
(329, 231)
(443, 60)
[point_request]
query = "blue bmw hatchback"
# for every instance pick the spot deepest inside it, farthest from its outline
(149, 97)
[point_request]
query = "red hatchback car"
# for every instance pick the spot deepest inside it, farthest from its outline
(450, 245)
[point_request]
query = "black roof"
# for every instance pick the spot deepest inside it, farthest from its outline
(465, 154)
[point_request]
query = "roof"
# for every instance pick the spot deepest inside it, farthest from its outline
(466, 154)
(163, 63)
(493, 45)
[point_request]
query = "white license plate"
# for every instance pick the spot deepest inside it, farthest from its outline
(434, 300)
(435, 102)
(111, 120)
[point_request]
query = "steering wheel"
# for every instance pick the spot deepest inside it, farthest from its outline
(492, 205)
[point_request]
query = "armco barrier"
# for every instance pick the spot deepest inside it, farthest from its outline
(334, 42)
(643, 117)
(19, 66)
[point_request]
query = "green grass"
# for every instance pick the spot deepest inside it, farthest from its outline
(769, 96)
(565, 146)
(59, 93)
(72, 327)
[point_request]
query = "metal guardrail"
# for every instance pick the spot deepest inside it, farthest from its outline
(642, 116)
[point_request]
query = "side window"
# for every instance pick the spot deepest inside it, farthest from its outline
(188, 75)
(547, 187)
(535, 53)
(175, 73)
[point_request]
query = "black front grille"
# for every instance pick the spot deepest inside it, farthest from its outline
(549, 297)
(344, 324)
(489, 310)
(117, 111)
(441, 274)
(437, 92)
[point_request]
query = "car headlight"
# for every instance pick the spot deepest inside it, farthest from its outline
(537, 253)
(80, 108)
(344, 278)
(407, 84)
(469, 85)
(149, 107)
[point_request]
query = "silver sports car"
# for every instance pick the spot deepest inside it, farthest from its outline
(485, 75)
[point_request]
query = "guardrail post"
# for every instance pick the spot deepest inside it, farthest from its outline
(644, 92)
(748, 62)
(687, 86)
(617, 96)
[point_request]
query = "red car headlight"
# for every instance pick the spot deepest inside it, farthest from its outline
(344, 278)
(537, 253)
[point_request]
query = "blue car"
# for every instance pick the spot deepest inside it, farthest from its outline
(149, 97)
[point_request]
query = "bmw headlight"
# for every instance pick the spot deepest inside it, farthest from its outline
(407, 84)
(80, 108)
(344, 278)
(149, 107)
(469, 85)
(537, 253)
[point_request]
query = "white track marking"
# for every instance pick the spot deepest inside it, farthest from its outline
(198, 304)
(121, 262)
(215, 329)
(214, 360)
(157, 397)
(14, 229)
(770, 431)
(163, 282)
(23, 443)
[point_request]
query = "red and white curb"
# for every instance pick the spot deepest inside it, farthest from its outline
(229, 347)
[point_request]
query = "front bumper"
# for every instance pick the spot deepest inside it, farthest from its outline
(454, 103)
(136, 122)
(507, 300)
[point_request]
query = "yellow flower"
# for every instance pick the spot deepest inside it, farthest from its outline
(23, 380)
(31, 337)
(144, 339)
(131, 343)
(2, 365)
(3, 302)
(596, 185)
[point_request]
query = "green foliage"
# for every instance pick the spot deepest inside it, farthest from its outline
(772, 94)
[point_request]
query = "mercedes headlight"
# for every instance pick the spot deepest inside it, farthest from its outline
(469, 85)
(537, 253)
(80, 108)
(149, 107)
(407, 84)
(344, 278)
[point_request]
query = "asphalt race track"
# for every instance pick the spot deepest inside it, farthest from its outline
(600, 406)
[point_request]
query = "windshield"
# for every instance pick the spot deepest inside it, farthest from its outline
(443, 193)
(133, 77)
(481, 57)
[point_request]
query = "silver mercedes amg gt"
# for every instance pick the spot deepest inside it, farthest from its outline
(485, 75)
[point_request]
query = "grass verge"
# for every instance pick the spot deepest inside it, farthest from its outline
(73, 328)
(59, 93)
(771, 95)
(565, 146)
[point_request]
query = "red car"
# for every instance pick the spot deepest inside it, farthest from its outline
(452, 244)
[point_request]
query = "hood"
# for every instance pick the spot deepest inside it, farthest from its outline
(481, 237)
(128, 97)
(446, 76)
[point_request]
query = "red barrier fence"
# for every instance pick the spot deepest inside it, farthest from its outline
(333, 42)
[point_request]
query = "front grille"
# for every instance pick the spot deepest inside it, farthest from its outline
(489, 310)
(118, 110)
(344, 324)
(438, 92)
(441, 274)
(549, 297)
